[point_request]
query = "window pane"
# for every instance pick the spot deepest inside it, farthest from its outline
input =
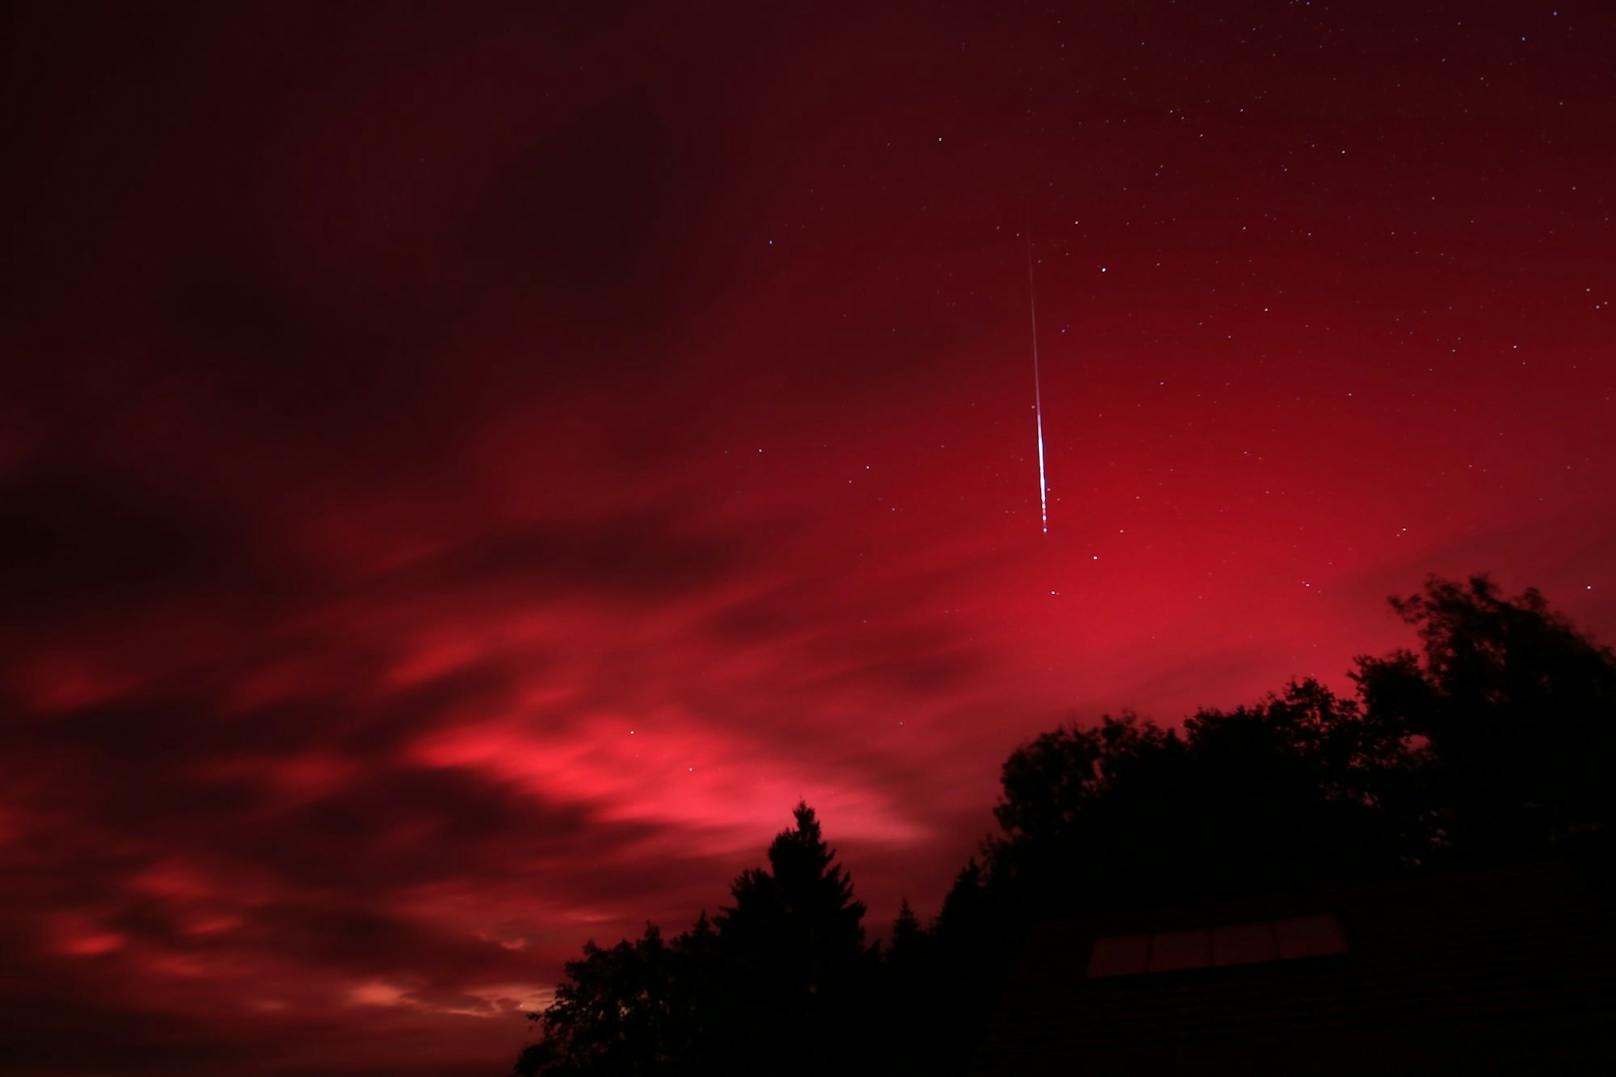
(1180, 950)
(1119, 955)
(1310, 936)
(1244, 944)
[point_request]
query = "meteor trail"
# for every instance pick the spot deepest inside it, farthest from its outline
(1037, 392)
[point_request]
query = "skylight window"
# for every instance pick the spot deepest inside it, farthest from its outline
(1250, 943)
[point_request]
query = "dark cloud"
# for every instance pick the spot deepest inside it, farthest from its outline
(643, 555)
(408, 826)
(71, 546)
(593, 216)
(368, 943)
(368, 731)
(49, 1037)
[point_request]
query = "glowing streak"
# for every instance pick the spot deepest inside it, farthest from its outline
(1037, 392)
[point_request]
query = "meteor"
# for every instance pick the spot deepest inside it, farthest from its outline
(1037, 391)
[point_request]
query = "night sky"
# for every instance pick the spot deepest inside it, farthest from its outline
(466, 471)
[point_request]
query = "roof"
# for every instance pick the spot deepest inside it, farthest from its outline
(1497, 971)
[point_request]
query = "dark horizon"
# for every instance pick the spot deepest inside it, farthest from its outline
(465, 472)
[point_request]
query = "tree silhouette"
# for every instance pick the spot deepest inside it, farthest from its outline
(784, 967)
(1125, 812)
(794, 942)
(1516, 710)
(614, 1014)
(907, 934)
(798, 920)
(1489, 743)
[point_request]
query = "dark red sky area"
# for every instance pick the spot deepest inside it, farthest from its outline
(466, 471)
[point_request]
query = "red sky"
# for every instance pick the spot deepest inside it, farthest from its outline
(464, 474)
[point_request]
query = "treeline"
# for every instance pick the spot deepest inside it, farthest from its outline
(1491, 742)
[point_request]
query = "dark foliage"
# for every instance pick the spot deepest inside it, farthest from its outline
(782, 975)
(1515, 707)
(1274, 794)
(1489, 744)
